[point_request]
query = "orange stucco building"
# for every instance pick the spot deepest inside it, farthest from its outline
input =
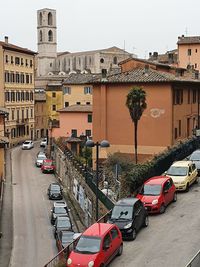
(171, 114)
(189, 51)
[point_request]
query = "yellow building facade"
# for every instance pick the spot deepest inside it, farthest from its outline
(17, 69)
(77, 90)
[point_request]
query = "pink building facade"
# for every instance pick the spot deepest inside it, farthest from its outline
(75, 120)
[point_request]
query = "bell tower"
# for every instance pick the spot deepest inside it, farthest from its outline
(47, 41)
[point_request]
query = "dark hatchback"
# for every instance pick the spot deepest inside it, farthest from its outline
(130, 215)
(55, 191)
(62, 223)
(195, 158)
(58, 211)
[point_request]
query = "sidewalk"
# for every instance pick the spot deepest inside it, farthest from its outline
(6, 218)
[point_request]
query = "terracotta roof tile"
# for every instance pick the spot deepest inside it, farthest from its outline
(17, 48)
(77, 108)
(78, 78)
(188, 40)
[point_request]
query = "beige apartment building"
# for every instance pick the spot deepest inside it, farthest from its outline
(17, 90)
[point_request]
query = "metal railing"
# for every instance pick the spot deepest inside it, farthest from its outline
(195, 261)
(60, 259)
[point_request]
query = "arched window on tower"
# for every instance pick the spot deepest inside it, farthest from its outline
(50, 19)
(50, 36)
(40, 18)
(40, 36)
(115, 60)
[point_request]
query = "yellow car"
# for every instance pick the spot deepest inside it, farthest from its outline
(183, 174)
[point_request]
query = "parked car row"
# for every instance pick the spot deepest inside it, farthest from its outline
(101, 242)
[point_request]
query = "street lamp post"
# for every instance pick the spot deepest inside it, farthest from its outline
(90, 143)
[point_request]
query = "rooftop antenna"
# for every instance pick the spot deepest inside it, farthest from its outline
(186, 31)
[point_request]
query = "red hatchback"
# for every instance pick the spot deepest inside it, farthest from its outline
(97, 246)
(48, 166)
(156, 193)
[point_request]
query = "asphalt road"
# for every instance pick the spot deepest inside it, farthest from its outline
(171, 239)
(33, 241)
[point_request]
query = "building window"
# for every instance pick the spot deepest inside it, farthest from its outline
(22, 78)
(54, 107)
(31, 78)
(40, 18)
(12, 61)
(195, 65)
(50, 19)
(18, 96)
(7, 77)
(175, 133)
(31, 113)
(189, 52)
(22, 61)
(87, 103)
(195, 50)
(179, 127)
(78, 103)
(50, 36)
(22, 96)
(31, 96)
(87, 90)
(12, 96)
(27, 113)
(26, 62)
(115, 60)
(40, 36)
(194, 96)
(27, 96)
(177, 96)
(53, 94)
(66, 104)
(31, 63)
(102, 60)
(17, 78)
(7, 60)
(88, 132)
(27, 78)
(17, 60)
(89, 118)
(13, 114)
(67, 90)
(74, 133)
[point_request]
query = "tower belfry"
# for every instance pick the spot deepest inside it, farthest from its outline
(47, 41)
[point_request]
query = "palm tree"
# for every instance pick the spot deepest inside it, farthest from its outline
(136, 103)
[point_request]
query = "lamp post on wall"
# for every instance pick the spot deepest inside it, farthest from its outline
(90, 143)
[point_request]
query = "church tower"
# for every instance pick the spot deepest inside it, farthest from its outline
(47, 41)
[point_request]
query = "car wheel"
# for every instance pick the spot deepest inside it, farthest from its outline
(102, 265)
(162, 208)
(120, 250)
(133, 235)
(175, 197)
(187, 188)
(146, 221)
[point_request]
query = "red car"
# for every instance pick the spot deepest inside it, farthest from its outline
(156, 193)
(48, 166)
(97, 246)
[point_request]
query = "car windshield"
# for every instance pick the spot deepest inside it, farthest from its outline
(55, 186)
(177, 171)
(44, 140)
(41, 157)
(195, 156)
(27, 142)
(122, 212)
(48, 163)
(151, 190)
(63, 223)
(60, 210)
(67, 237)
(88, 245)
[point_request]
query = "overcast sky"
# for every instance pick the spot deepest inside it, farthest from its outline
(141, 26)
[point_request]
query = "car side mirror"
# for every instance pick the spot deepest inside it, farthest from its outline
(165, 191)
(165, 173)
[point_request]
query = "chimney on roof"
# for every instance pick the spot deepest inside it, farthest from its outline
(146, 70)
(6, 39)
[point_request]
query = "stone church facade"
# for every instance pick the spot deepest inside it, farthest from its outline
(50, 62)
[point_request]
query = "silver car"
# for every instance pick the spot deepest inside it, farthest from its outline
(39, 159)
